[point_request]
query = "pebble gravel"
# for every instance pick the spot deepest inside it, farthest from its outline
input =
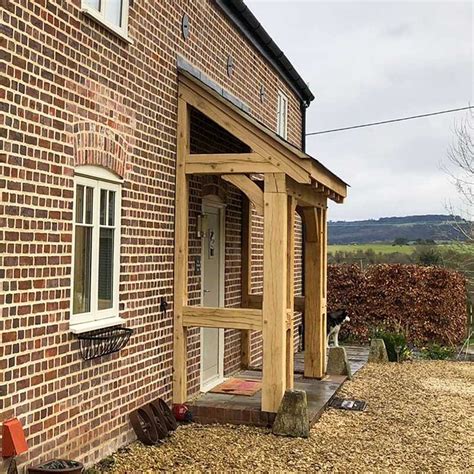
(420, 418)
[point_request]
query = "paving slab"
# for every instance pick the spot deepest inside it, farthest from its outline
(239, 409)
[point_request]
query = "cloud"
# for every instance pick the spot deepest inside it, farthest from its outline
(371, 61)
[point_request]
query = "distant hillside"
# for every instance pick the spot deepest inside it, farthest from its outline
(387, 229)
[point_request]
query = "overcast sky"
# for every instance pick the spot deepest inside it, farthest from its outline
(371, 61)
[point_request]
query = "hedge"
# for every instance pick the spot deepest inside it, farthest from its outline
(427, 303)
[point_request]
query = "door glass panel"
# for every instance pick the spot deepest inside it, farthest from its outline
(79, 203)
(89, 204)
(95, 4)
(82, 270)
(103, 206)
(106, 268)
(113, 12)
(112, 208)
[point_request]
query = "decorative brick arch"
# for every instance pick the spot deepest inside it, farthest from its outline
(213, 185)
(99, 145)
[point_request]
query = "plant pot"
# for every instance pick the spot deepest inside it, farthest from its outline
(58, 466)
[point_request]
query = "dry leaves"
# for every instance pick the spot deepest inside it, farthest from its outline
(413, 423)
(428, 302)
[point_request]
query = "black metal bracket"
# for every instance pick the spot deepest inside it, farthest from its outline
(163, 306)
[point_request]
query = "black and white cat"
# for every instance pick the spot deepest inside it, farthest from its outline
(335, 319)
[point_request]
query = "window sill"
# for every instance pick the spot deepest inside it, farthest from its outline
(122, 34)
(79, 328)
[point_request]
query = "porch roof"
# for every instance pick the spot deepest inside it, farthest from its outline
(264, 142)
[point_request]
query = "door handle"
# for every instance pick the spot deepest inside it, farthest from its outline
(207, 291)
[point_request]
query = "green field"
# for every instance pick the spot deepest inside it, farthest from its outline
(389, 248)
(378, 248)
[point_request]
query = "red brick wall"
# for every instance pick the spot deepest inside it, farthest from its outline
(72, 94)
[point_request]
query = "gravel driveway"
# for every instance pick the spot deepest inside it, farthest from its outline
(420, 417)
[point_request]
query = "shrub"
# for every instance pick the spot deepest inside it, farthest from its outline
(394, 340)
(429, 303)
(435, 351)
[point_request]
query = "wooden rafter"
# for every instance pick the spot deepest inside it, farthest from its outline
(306, 195)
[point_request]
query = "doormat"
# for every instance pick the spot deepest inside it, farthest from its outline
(354, 405)
(238, 387)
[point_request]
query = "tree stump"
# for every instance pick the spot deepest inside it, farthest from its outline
(292, 417)
(338, 363)
(378, 351)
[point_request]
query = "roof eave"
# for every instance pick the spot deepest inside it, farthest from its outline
(248, 24)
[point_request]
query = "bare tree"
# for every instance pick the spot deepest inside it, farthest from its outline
(460, 168)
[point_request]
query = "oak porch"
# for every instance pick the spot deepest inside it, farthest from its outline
(292, 181)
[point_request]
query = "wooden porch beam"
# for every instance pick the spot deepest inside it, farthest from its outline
(305, 194)
(181, 257)
(248, 187)
(255, 301)
(229, 163)
(274, 297)
(227, 318)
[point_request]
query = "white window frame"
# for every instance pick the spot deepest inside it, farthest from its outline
(282, 115)
(97, 178)
(99, 16)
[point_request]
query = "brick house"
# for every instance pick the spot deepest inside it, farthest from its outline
(141, 144)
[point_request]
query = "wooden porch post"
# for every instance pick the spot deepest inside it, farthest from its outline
(290, 336)
(181, 257)
(324, 272)
(274, 291)
(315, 292)
(246, 277)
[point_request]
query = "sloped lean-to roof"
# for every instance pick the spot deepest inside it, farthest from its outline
(246, 22)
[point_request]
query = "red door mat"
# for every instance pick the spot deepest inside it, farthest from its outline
(238, 387)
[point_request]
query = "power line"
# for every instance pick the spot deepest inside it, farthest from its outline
(390, 121)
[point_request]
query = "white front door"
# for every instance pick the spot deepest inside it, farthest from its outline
(212, 340)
